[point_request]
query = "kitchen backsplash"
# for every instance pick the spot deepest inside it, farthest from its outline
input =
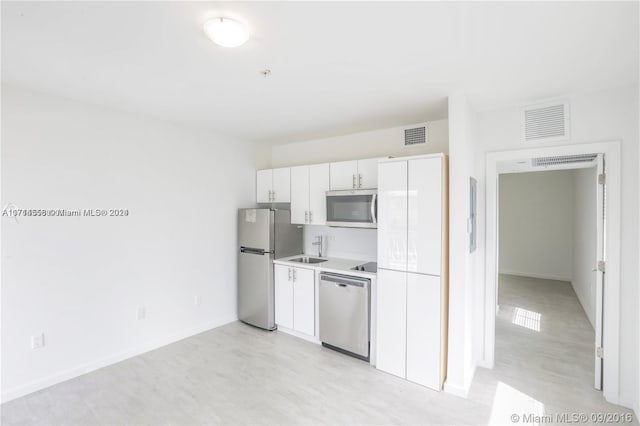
(348, 243)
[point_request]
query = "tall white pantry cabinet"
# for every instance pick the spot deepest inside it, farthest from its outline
(412, 309)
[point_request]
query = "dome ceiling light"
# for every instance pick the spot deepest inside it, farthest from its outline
(226, 32)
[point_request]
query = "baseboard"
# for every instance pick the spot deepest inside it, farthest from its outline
(534, 275)
(460, 390)
(485, 364)
(71, 373)
(312, 339)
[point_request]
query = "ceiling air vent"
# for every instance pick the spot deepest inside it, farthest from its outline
(415, 136)
(546, 122)
(563, 160)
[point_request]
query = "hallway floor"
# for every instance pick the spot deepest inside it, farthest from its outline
(544, 359)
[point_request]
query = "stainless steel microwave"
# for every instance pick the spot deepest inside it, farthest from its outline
(352, 209)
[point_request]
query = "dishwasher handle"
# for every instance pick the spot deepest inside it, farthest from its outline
(342, 280)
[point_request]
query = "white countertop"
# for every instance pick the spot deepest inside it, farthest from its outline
(333, 264)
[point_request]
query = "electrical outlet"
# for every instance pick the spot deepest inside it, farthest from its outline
(197, 300)
(141, 313)
(37, 341)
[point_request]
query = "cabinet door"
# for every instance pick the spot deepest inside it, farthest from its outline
(424, 248)
(299, 194)
(264, 185)
(282, 185)
(368, 173)
(391, 322)
(318, 187)
(392, 215)
(284, 295)
(344, 175)
(304, 312)
(423, 330)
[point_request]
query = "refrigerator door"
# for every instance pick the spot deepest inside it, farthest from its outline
(255, 289)
(255, 229)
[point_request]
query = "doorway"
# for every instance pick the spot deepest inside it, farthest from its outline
(495, 167)
(548, 246)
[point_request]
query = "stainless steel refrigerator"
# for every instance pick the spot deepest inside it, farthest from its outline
(263, 235)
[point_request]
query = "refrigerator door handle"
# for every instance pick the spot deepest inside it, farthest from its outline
(249, 250)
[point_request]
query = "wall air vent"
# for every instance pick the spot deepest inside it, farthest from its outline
(563, 160)
(415, 136)
(546, 122)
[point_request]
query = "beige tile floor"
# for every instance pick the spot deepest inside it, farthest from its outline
(237, 374)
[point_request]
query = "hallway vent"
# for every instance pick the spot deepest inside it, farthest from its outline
(563, 160)
(544, 123)
(415, 136)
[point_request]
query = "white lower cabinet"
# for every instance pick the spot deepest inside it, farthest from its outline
(304, 313)
(391, 335)
(295, 298)
(409, 324)
(283, 296)
(423, 330)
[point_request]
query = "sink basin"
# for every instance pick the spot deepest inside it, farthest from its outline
(307, 259)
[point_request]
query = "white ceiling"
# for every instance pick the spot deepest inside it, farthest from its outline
(336, 67)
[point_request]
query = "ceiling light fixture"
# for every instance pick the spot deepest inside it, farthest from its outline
(226, 32)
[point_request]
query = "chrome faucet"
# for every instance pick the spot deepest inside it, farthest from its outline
(318, 243)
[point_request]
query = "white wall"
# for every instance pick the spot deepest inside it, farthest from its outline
(584, 239)
(80, 280)
(536, 224)
(638, 261)
(376, 143)
(606, 115)
(464, 329)
(346, 243)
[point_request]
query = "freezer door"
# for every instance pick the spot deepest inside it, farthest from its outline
(255, 289)
(255, 228)
(288, 237)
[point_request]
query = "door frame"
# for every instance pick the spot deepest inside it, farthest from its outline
(611, 308)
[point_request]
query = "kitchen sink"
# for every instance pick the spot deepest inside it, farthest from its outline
(307, 259)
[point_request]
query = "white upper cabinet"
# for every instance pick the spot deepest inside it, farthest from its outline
(424, 248)
(305, 187)
(282, 185)
(264, 186)
(344, 175)
(273, 185)
(318, 187)
(368, 173)
(392, 215)
(356, 174)
(410, 214)
(300, 194)
(309, 185)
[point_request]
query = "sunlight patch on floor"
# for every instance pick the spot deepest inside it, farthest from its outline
(526, 319)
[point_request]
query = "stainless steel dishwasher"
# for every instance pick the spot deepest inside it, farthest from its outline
(345, 314)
